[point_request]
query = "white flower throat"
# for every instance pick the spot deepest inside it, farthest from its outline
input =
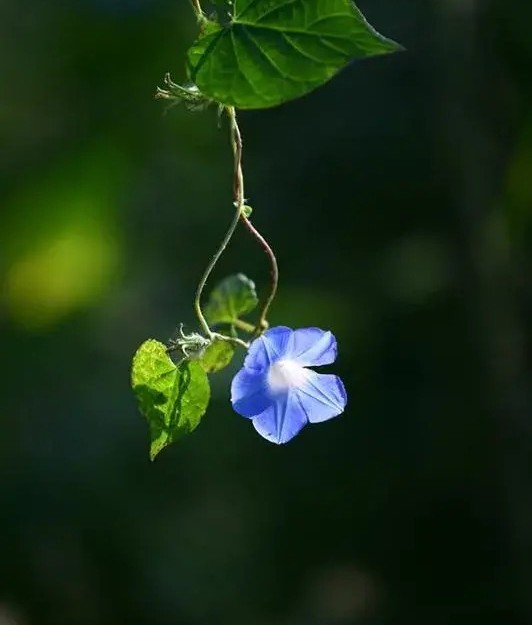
(286, 374)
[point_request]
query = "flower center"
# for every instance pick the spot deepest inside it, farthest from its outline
(286, 374)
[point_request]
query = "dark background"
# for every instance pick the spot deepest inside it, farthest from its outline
(399, 200)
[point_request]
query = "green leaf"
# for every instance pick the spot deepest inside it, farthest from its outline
(173, 399)
(233, 297)
(273, 51)
(217, 356)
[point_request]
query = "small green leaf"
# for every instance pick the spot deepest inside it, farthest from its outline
(173, 399)
(272, 51)
(233, 297)
(217, 356)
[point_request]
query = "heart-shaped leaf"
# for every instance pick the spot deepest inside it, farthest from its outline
(233, 297)
(272, 51)
(173, 399)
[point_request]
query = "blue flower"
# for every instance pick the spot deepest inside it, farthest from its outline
(275, 389)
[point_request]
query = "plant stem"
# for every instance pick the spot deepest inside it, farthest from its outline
(262, 323)
(197, 9)
(226, 239)
(231, 339)
(236, 142)
(238, 189)
(239, 203)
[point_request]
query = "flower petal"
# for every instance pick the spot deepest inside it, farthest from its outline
(322, 397)
(312, 347)
(268, 348)
(282, 420)
(249, 393)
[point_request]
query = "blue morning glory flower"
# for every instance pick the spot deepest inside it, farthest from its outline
(275, 389)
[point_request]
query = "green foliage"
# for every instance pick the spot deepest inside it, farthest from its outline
(173, 399)
(234, 297)
(217, 356)
(272, 51)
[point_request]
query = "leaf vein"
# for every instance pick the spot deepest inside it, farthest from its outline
(263, 53)
(324, 18)
(302, 52)
(284, 75)
(289, 31)
(279, 8)
(205, 56)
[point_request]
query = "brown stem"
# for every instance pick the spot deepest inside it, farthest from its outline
(262, 323)
(239, 199)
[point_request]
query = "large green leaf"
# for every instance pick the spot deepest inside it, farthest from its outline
(233, 297)
(173, 399)
(272, 51)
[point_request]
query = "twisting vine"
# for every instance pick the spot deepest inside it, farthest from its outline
(239, 204)
(241, 213)
(237, 143)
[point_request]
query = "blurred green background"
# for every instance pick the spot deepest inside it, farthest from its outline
(399, 201)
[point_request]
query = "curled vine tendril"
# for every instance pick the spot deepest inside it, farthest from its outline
(240, 214)
(236, 137)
